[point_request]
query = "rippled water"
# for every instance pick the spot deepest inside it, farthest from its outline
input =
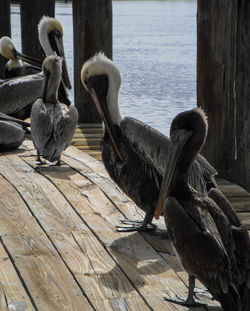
(154, 46)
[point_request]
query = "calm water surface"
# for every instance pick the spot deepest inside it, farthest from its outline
(154, 46)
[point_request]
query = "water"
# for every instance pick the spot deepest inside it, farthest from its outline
(154, 46)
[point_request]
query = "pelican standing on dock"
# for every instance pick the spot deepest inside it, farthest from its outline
(205, 231)
(52, 123)
(133, 153)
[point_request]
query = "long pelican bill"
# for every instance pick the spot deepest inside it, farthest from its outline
(172, 157)
(29, 59)
(5, 117)
(105, 120)
(56, 42)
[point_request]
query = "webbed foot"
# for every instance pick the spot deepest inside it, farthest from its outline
(134, 225)
(189, 302)
(39, 161)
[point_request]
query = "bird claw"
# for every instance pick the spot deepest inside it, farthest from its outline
(185, 302)
(39, 163)
(58, 163)
(134, 225)
(203, 292)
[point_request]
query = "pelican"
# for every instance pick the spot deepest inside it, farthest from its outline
(205, 231)
(133, 153)
(50, 33)
(12, 132)
(18, 94)
(15, 67)
(52, 123)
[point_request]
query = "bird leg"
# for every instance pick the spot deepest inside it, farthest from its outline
(58, 163)
(39, 161)
(138, 225)
(189, 302)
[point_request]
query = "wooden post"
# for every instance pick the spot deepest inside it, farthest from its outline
(31, 13)
(5, 29)
(223, 78)
(92, 21)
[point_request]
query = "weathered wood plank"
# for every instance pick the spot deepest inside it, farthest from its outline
(245, 218)
(86, 147)
(223, 76)
(48, 281)
(30, 17)
(92, 130)
(89, 263)
(136, 263)
(12, 292)
(87, 135)
(89, 38)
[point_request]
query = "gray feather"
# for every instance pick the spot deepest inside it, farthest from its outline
(17, 93)
(152, 146)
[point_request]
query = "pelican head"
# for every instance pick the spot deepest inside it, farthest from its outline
(46, 27)
(188, 133)
(7, 48)
(102, 79)
(50, 34)
(52, 68)
(93, 72)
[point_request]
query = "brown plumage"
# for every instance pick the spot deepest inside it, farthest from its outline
(205, 231)
(133, 153)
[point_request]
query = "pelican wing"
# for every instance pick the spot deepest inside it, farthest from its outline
(152, 146)
(64, 125)
(241, 249)
(12, 135)
(41, 125)
(196, 244)
(17, 93)
(149, 143)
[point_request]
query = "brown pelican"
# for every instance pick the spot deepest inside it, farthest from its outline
(132, 152)
(52, 123)
(18, 95)
(50, 34)
(205, 231)
(12, 132)
(15, 67)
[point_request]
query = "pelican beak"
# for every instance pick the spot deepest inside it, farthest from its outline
(28, 59)
(56, 42)
(172, 158)
(108, 124)
(5, 117)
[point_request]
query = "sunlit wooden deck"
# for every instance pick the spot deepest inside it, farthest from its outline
(59, 248)
(88, 139)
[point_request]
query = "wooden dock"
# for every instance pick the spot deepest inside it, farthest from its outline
(88, 139)
(59, 248)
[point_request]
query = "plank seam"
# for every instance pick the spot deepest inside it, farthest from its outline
(18, 273)
(5, 297)
(117, 207)
(40, 225)
(96, 236)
